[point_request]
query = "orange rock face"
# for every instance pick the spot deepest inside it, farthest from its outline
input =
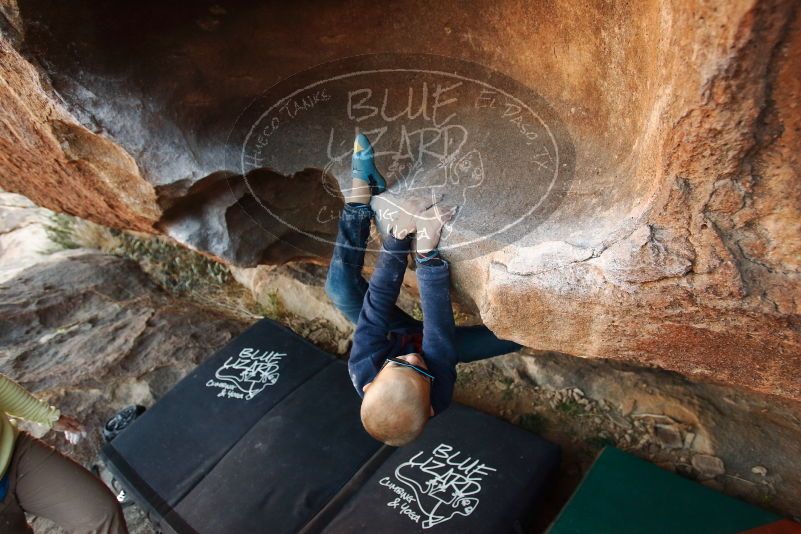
(56, 162)
(676, 242)
(708, 282)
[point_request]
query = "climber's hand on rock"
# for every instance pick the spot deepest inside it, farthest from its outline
(429, 224)
(73, 430)
(395, 216)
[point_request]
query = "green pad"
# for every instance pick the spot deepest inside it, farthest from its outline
(622, 493)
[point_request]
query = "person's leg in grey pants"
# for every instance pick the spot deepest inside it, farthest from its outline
(45, 483)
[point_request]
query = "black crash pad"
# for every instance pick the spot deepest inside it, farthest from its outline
(290, 464)
(167, 450)
(469, 472)
(293, 457)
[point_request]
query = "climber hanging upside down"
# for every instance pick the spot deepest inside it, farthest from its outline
(403, 368)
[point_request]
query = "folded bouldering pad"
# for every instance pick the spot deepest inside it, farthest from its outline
(623, 494)
(468, 472)
(265, 436)
(289, 465)
(171, 447)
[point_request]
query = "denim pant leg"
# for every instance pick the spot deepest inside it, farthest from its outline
(478, 342)
(346, 288)
(345, 285)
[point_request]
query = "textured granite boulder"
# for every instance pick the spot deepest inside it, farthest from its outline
(671, 238)
(91, 333)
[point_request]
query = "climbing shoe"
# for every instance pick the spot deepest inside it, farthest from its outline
(363, 165)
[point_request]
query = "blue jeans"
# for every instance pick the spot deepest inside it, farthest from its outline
(346, 287)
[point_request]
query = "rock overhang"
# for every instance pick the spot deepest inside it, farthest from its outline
(662, 240)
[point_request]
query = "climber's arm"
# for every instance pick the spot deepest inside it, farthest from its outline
(439, 348)
(370, 341)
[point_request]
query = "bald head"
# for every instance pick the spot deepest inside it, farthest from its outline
(396, 405)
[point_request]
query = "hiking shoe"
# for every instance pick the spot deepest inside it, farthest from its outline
(363, 166)
(121, 420)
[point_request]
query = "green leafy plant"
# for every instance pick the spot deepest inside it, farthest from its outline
(178, 269)
(271, 307)
(61, 230)
(417, 312)
(175, 268)
(570, 408)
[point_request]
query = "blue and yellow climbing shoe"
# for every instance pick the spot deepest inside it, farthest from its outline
(363, 166)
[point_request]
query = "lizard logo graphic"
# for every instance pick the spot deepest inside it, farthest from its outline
(463, 172)
(443, 484)
(246, 375)
(487, 149)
